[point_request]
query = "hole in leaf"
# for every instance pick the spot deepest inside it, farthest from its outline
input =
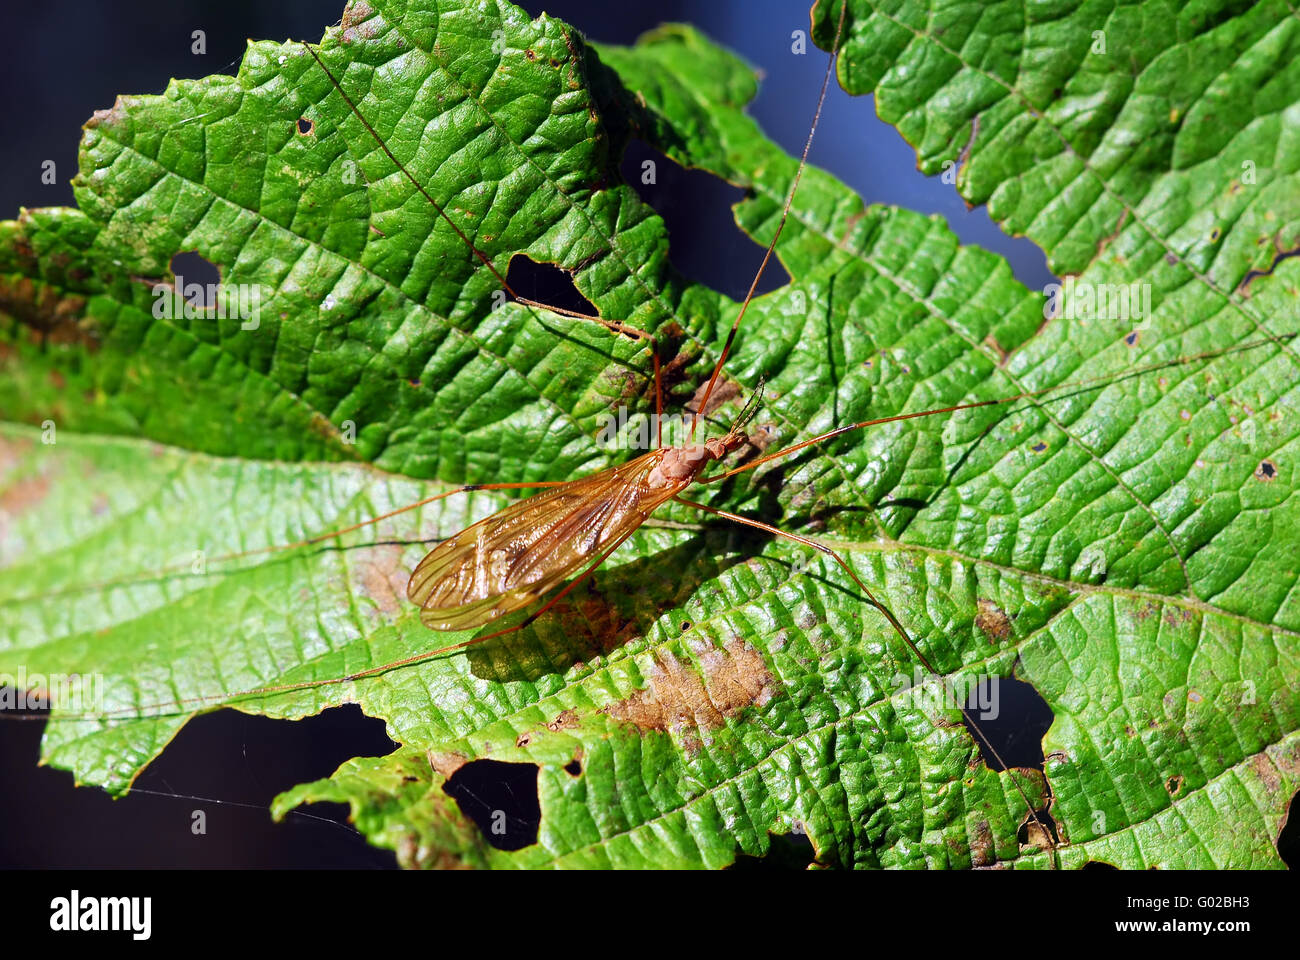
(196, 278)
(1174, 785)
(1099, 865)
(1013, 716)
(1266, 471)
(1031, 830)
(686, 625)
(501, 798)
(704, 242)
(573, 768)
(786, 851)
(305, 126)
(546, 283)
(1288, 840)
(226, 765)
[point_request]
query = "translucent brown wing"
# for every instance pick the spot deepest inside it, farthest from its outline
(513, 557)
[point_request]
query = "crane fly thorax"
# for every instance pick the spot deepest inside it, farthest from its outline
(680, 465)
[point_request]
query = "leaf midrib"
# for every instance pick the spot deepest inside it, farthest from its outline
(187, 459)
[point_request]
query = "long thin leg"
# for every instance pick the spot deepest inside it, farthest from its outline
(281, 547)
(785, 214)
(1090, 384)
(138, 712)
(614, 325)
(893, 621)
(618, 326)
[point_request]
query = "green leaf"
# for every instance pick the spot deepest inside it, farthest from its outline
(1124, 549)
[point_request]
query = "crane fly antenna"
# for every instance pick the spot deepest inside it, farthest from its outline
(356, 112)
(1091, 383)
(785, 214)
(751, 408)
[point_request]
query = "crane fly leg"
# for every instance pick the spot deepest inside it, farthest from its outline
(617, 327)
(321, 538)
(821, 548)
(898, 628)
(297, 544)
(226, 699)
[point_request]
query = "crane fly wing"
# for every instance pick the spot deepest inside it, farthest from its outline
(510, 559)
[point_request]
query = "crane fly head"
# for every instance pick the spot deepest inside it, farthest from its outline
(678, 465)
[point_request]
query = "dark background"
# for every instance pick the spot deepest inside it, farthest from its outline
(67, 59)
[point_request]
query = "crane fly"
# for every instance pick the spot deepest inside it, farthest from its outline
(527, 550)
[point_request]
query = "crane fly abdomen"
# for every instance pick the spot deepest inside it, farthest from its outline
(508, 560)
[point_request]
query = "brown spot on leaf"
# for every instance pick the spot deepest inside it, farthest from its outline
(27, 491)
(1174, 784)
(992, 342)
(446, 764)
(564, 720)
(850, 223)
(56, 318)
(691, 743)
(723, 391)
(323, 427)
(1266, 771)
(1266, 471)
(1277, 768)
(1146, 611)
(356, 23)
(992, 621)
(383, 578)
(680, 698)
(23, 494)
(981, 846)
(112, 116)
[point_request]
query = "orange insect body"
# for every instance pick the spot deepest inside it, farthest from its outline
(510, 559)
